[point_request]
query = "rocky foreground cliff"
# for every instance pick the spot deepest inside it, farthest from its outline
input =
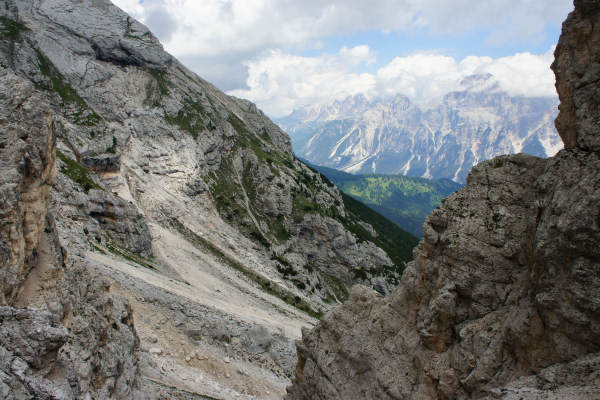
(502, 300)
(157, 237)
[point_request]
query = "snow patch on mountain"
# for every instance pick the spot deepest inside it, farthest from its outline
(394, 135)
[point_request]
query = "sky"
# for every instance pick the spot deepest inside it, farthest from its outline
(285, 54)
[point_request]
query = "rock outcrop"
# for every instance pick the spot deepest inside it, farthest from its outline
(133, 191)
(76, 339)
(27, 151)
(502, 300)
(576, 69)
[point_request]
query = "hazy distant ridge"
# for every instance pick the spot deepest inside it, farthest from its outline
(395, 136)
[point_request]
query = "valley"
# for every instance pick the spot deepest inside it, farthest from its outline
(160, 239)
(404, 200)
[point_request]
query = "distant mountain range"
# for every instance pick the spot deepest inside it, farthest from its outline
(406, 201)
(395, 136)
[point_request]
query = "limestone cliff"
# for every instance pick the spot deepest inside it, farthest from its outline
(157, 237)
(76, 338)
(503, 296)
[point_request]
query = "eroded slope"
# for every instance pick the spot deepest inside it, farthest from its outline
(127, 176)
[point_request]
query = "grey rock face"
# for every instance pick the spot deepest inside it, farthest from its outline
(120, 220)
(111, 34)
(502, 298)
(35, 344)
(395, 136)
(27, 155)
(576, 68)
(29, 343)
(484, 301)
(110, 149)
(101, 355)
(102, 164)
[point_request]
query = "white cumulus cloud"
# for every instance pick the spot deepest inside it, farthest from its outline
(247, 46)
(280, 82)
(214, 37)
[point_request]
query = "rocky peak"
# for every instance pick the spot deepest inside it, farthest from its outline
(441, 140)
(577, 69)
(502, 298)
(111, 34)
(478, 82)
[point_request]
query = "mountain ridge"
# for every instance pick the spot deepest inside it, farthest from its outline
(396, 136)
(157, 236)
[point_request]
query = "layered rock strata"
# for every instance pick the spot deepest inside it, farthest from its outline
(157, 237)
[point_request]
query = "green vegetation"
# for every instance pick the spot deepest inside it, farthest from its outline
(397, 243)
(299, 284)
(225, 189)
(99, 250)
(340, 291)
(113, 149)
(192, 118)
(264, 283)
(282, 260)
(277, 229)
(230, 204)
(246, 139)
(303, 201)
(129, 256)
(77, 172)
(11, 29)
(237, 124)
(161, 80)
(83, 115)
(404, 200)
(163, 85)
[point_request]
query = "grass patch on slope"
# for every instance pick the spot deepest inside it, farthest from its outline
(404, 200)
(129, 256)
(191, 118)
(84, 115)
(77, 173)
(161, 80)
(11, 29)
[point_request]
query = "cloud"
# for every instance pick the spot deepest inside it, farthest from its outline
(427, 77)
(246, 47)
(508, 20)
(213, 28)
(132, 7)
(280, 82)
